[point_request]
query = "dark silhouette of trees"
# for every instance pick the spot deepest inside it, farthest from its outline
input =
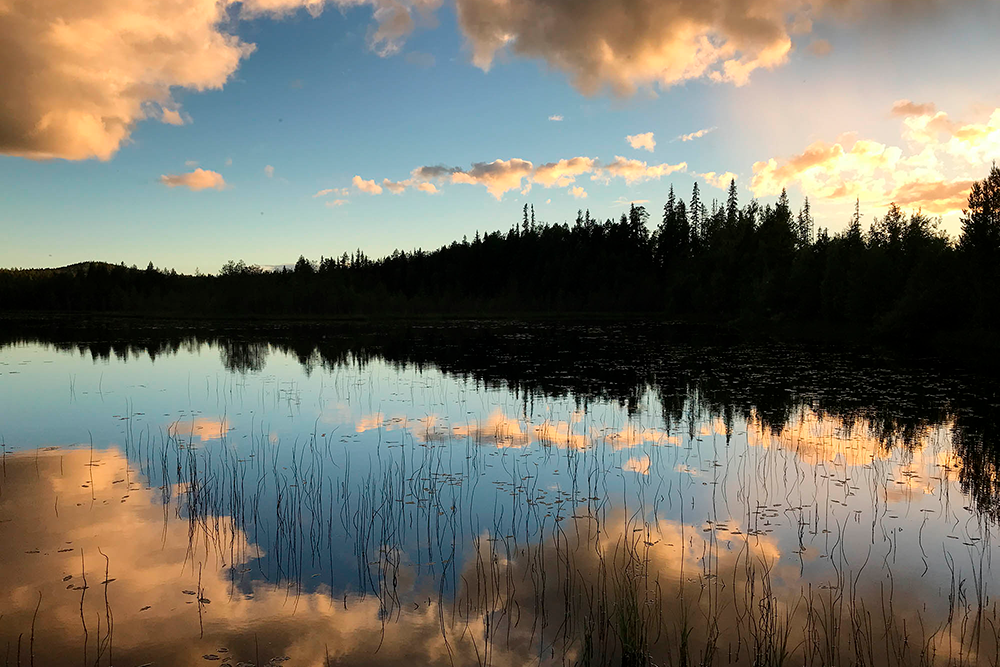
(901, 278)
(979, 246)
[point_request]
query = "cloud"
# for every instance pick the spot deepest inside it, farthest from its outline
(190, 163)
(908, 108)
(433, 172)
(563, 172)
(623, 44)
(720, 181)
(335, 203)
(498, 177)
(934, 196)
(370, 187)
(229, 162)
(932, 173)
(556, 117)
(269, 171)
(820, 47)
(696, 135)
(395, 187)
(622, 201)
(199, 179)
(644, 141)
(171, 117)
(502, 176)
(635, 171)
(332, 191)
(79, 74)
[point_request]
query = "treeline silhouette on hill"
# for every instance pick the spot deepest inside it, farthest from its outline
(726, 262)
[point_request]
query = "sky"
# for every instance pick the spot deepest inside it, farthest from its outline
(190, 132)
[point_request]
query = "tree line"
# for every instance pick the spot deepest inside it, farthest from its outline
(725, 261)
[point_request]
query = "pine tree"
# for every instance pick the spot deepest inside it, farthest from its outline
(854, 227)
(696, 213)
(732, 206)
(980, 238)
(804, 226)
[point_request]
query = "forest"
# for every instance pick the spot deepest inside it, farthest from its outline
(898, 276)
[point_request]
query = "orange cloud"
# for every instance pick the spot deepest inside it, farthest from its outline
(199, 179)
(172, 117)
(502, 176)
(498, 177)
(563, 172)
(624, 45)
(371, 187)
(79, 75)
(931, 175)
(635, 171)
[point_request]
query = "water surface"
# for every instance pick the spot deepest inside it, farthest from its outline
(501, 495)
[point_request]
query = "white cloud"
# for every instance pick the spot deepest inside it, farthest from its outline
(199, 179)
(720, 181)
(323, 193)
(336, 203)
(644, 141)
(555, 117)
(190, 163)
(696, 135)
(622, 201)
(269, 171)
(578, 192)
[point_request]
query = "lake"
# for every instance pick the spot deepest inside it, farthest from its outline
(501, 494)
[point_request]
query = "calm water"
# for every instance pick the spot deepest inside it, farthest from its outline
(503, 495)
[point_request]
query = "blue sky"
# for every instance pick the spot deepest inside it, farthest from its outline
(317, 104)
